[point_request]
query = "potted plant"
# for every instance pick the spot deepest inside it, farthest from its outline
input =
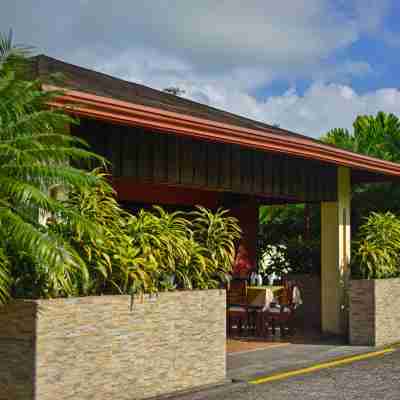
(374, 295)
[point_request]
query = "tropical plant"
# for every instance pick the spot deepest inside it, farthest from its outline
(5, 276)
(274, 262)
(114, 265)
(377, 136)
(149, 251)
(283, 223)
(161, 239)
(377, 247)
(285, 226)
(340, 137)
(35, 156)
(217, 233)
(304, 256)
(62, 231)
(194, 250)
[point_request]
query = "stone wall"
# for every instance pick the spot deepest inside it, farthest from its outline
(110, 347)
(374, 317)
(17, 351)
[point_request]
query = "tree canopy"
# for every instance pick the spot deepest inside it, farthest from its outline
(376, 136)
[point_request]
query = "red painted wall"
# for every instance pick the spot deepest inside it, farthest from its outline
(247, 214)
(128, 190)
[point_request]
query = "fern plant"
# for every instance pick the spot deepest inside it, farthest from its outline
(83, 242)
(35, 155)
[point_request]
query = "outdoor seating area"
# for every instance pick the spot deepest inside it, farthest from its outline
(127, 268)
(262, 311)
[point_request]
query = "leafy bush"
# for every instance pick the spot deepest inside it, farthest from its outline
(377, 247)
(304, 256)
(149, 251)
(216, 233)
(293, 255)
(274, 261)
(284, 226)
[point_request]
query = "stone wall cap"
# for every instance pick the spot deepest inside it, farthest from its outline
(113, 297)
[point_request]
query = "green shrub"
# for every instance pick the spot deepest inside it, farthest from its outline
(377, 247)
(194, 250)
(149, 251)
(216, 233)
(114, 264)
(304, 256)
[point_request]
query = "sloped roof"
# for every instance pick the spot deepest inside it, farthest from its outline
(105, 97)
(89, 81)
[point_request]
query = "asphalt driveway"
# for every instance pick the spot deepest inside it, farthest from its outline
(374, 378)
(250, 365)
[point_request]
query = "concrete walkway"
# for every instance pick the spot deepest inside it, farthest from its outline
(259, 363)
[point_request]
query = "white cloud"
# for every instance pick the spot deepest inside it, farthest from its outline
(344, 72)
(249, 43)
(322, 106)
(221, 51)
(247, 46)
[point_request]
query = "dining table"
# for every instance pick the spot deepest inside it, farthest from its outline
(258, 300)
(261, 296)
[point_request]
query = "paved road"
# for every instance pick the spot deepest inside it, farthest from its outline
(375, 378)
(250, 365)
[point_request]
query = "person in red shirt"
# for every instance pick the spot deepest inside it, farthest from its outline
(242, 265)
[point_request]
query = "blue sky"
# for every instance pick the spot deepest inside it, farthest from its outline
(307, 65)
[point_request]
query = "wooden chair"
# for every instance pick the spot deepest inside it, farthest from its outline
(237, 307)
(284, 318)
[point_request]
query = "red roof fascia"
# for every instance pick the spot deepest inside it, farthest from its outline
(118, 111)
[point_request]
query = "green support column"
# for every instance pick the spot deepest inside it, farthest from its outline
(335, 257)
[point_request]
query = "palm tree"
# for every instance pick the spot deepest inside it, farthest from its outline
(36, 156)
(339, 137)
(376, 136)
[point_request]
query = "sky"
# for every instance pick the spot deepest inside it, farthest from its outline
(306, 65)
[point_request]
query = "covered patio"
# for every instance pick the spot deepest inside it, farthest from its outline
(174, 152)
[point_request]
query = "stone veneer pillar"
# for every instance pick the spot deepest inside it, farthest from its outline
(374, 312)
(335, 257)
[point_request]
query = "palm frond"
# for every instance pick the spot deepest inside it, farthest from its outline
(5, 277)
(46, 247)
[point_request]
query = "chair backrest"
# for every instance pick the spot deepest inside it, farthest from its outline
(286, 296)
(289, 287)
(237, 292)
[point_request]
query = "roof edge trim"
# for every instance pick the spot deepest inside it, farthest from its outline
(118, 111)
